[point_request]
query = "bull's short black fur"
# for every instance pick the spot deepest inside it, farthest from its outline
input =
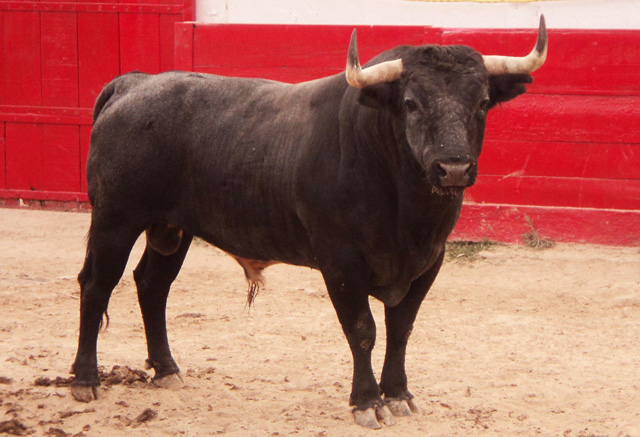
(317, 174)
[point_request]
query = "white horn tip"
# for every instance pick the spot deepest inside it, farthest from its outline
(541, 45)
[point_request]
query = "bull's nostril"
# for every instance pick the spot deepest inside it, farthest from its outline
(469, 172)
(454, 174)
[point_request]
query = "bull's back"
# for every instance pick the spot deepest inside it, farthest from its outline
(215, 156)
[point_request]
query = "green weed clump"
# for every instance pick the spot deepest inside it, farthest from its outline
(466, 250)
(534, 240)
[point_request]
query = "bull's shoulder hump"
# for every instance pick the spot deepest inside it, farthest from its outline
(212, 79)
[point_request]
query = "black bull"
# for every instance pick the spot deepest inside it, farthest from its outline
(360, 178)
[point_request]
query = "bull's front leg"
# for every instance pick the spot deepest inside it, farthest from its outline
(399, 323)
(350, 300)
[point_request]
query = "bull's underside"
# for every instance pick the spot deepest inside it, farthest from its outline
(317, 174)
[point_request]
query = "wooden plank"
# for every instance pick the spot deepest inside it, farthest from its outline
(38, 198)
(167, 41)
(24, 160)
(183, 57)
(22, 66)
(568, 159)
(557, 191)
(188, 9)
(96, 7)
(61, 171)
(557, 118)
(294, 46)
(507, 223)
(2, 60)
(98, 54)
(45, 115)
(59, 59)
(140, 43)
(3, 151)
(148, 2)
(85, 137)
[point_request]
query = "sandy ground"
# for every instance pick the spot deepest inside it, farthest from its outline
(519, 342)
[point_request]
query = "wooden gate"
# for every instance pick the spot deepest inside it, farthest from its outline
(55, 58)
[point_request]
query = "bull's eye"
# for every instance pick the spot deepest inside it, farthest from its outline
(411, 105)
(483, 108)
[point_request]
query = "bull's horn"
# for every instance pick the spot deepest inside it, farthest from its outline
(379, 73)
(525, 65)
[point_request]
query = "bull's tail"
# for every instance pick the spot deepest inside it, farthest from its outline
(85, 275)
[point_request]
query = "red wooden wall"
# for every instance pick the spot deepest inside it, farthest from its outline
(565, 157)
(55, 58)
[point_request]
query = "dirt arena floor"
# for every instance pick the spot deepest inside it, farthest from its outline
(519, 342)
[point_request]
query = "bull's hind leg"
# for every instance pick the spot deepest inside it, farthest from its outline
(162, 259)
(108, 249)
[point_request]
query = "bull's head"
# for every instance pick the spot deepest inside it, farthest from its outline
(439, 97)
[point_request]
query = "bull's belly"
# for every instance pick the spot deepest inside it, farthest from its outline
(256, 255)
(257, 232)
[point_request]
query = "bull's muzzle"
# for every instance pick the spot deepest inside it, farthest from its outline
(454, 175)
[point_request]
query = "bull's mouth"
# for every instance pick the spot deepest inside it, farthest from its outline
(434, 182)
(451, 191)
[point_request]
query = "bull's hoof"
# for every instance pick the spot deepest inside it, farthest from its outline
(398, 407)
(371, 417)
(385, 416)
(85, 393)
(415, 408)
(402, 407)
(173, 381)
(366, 418)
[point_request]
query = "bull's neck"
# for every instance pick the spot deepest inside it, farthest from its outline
(396, 173)
(378, 147)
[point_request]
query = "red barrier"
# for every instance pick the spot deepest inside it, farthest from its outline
(55, 57)
(510, 223)
(566, 153)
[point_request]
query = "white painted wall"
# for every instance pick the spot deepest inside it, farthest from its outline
(575, 14)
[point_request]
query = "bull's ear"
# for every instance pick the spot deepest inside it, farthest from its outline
(378, 96)
(505, 87)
